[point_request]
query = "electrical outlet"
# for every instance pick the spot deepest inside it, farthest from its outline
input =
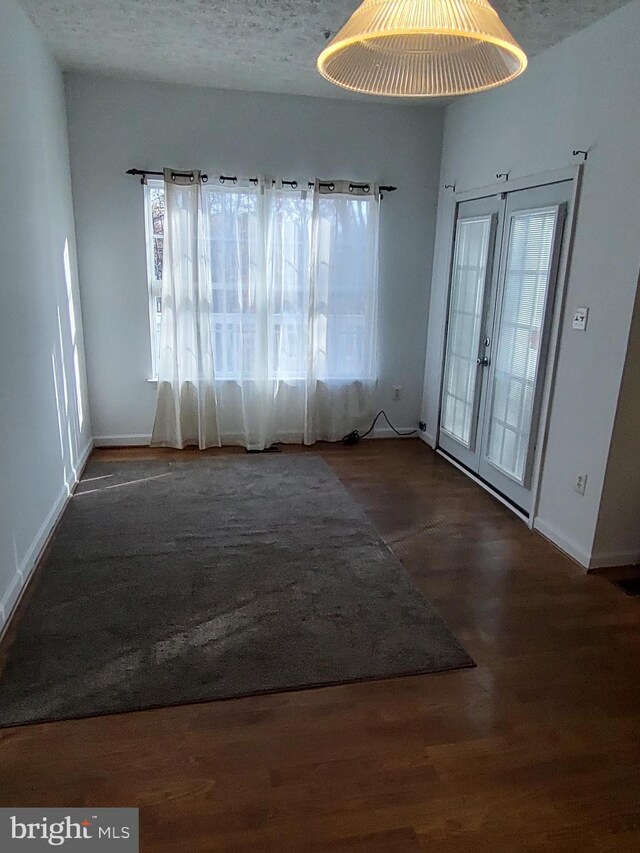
(580, 319)
(580, 484)
(397, 392)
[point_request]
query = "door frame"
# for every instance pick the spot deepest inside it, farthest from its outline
(569, 173)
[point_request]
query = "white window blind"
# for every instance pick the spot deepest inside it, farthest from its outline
(465, 320)
(528, 267)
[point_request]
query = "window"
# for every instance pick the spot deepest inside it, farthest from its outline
(345, 267)
(154, 227)
(264, 281)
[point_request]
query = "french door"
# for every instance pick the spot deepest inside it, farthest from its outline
(503, 279)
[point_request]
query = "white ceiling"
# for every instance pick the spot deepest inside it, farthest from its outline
(257, 45)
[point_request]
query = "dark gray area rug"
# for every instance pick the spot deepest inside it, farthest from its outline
(184, 581)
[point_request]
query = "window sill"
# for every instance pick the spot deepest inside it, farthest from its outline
(343, 380)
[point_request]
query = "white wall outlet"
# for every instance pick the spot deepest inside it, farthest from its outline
(397, 392)
(580, 484)
(580, 318)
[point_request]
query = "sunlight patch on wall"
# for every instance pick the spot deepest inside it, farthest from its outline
(74, 341)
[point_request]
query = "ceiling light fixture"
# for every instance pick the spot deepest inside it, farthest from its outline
(422, 49)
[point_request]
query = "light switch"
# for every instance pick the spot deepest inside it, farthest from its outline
(580, 319)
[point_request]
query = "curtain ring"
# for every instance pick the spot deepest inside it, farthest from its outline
(294, 184)
(366, 188)
(332, 187)
(191, 178)
(205, 179)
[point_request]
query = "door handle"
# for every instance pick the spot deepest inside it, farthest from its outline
(484, 361)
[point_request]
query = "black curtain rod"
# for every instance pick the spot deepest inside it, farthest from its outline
(144, 172)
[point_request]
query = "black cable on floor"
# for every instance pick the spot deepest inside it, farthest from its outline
(350, 438)
(354, 436)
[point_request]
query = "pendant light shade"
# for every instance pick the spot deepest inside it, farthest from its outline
(422, 48)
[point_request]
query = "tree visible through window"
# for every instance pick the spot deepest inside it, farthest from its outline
(154, 220)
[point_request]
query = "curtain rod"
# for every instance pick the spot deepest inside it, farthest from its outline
(144, 172)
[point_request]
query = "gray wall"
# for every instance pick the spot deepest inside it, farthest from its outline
(583, 93)
(44, 420)
(115, 124)
(617, 540)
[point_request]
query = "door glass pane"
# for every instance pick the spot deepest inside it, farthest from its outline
(465, 320)
(516, 358)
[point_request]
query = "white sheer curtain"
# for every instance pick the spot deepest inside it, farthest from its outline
(269, 305)
(186, 407)
(342, 346)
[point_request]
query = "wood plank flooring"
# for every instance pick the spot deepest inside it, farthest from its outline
(537, 749)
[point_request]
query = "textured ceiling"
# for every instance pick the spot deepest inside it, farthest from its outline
(258, 45)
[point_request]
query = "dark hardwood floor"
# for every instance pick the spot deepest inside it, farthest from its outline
(537, 749)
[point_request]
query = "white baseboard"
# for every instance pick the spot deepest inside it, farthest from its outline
(121, 440)
(428, 439)
(563, 542)
(145, 440)
(12, 596)
(387, 432)
(606, 559)
(556, 537)
(82, 461)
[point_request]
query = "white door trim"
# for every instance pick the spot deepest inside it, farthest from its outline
(554, 340)
(570, 173)
(555, 176)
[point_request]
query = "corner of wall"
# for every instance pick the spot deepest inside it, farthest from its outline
(44, 389)
(560, 540)
(12, 596)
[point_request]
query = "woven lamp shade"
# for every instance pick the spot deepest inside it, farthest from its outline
(422, 48)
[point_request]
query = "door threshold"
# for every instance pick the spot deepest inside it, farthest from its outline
(523, 516)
